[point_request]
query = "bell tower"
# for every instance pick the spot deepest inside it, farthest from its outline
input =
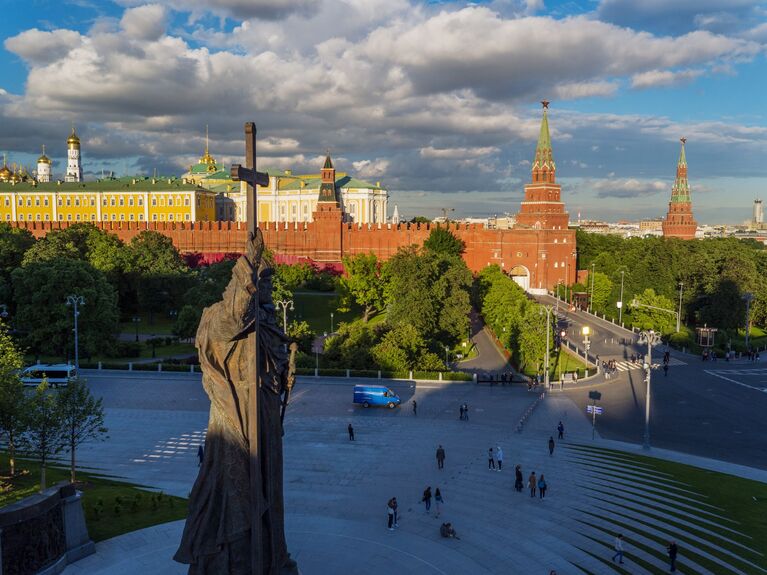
(679, 222)
(74, 168)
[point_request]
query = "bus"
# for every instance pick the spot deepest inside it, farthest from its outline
(57, 374)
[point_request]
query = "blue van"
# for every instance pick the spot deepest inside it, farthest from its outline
(369, 395)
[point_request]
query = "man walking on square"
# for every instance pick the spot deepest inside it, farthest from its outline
(351, 432)
(499, 456)
(460, 411)
(440, 457)
(551, 446)
(672, 552)
(532, 483)
(618, 546)
(490, 459)
(415, 408)
(561, 430)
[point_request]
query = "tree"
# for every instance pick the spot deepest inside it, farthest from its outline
(362, 283)
(650, 318)
(13, 400)
(186, 322)
(44, 437)
(82, 418)
(602, 288)
(14, 242)
(41, 289)
(443, 241)
(301, 333)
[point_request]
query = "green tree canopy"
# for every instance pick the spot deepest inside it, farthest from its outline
(44, 436)
(362, 283)
(82, 419)
(13, 401)
(46, 321)
(650, 318)
(443, 241)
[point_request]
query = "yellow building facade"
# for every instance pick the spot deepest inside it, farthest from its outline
(121, 199)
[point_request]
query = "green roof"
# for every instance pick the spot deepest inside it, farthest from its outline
(328, 163)
(680, 193)
(142, 184)
(312, 183)
(543, 154)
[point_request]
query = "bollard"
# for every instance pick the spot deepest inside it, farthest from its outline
(410, 374)
(159, 367)
(130, 366)
(316, 372)
(587, 373)
(379, 374)
(99, 366)
(191, 368)
(474, 377)
(347, 374)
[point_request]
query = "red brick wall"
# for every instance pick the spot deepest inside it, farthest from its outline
(546, 254)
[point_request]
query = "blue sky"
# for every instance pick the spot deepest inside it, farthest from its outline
(437, 100)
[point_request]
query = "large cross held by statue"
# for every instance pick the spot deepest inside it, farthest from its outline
(252, 177)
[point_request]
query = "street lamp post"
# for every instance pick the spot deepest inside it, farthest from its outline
(679, 314)
(586, 330)
(548, 309)
(636, 303)
(136, 320)
(331, 322)
(75, 301)
(620, 303)
(591, 298)
(651, 338)
(446, 357)
(285, 305)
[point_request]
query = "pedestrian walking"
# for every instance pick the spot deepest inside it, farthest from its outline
(351, 432)
(551, 445)
(466, 412)
(665, 369)
(427, 498)
(490, 459)
(440, 457)
(461, 411)
(532, 483)
(672, 551)
(415, 408)
(542, 486)
(618, 546)
(561, 430)
(518, 485)
(200, 454)
(438, 501)
(395, 506)
(390, 514)
(499, 456)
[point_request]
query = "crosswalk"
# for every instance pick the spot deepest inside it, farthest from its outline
(755, 372)
(628, 365)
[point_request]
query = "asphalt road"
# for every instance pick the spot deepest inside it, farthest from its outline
(698, 408)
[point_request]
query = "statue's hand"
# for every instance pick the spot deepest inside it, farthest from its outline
(255, 248)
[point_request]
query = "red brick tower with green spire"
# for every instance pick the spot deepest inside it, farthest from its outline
(542, 207)
(679, 222)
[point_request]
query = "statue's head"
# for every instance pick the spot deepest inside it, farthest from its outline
(265, 286)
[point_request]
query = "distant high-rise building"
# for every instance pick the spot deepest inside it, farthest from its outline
(679, 222)
(758, 218)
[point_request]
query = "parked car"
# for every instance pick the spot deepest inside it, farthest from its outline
(369, 395)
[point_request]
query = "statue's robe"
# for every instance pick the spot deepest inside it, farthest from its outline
(216, 537)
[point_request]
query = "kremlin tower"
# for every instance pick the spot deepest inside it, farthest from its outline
(542, 207)
(74, 168)
(679, 222)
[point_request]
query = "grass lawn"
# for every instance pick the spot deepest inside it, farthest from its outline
(111, 507)
(162, 324)
(743, 500)
(315, 307)
(560, 362)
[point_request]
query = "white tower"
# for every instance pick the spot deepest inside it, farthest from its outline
(395, 215)
(74, 169)
(758, 213)
(43, 168)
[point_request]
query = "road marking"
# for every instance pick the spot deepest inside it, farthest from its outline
(715, 374)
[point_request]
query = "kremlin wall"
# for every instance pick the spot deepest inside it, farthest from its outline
(539, 252)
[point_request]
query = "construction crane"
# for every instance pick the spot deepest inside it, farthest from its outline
(445, 211)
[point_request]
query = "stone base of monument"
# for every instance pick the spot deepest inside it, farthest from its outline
(44, 533)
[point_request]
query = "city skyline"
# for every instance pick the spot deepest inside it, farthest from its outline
(395, 95)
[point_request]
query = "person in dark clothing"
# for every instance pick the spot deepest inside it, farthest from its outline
(672, 551)
(551, 446)
(561, 430)
(542, 486)
(351, 432)
(427, 498)
(200, 454)
(490, 459)
(665, 369)
(466, 412)
(415, 408)
(440, 457)
(461, 412)
(446, 530)
(518, 483)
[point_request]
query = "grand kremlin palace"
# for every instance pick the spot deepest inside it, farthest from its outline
(204, 193)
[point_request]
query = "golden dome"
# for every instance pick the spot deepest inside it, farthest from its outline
(73, 140)
(43, 159)
(5, 174)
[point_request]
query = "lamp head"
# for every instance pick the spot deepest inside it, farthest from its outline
(586, 330)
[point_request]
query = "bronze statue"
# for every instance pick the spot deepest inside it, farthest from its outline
(218, 532)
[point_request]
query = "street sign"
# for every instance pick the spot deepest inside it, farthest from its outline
(595, 395)
(596, 410)
(619, 304)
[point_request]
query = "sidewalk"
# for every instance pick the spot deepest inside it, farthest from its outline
(337, 490)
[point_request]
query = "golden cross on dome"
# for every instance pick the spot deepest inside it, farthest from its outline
(545, 104)
(683, 140)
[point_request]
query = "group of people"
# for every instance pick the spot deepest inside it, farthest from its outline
(463, 412)
(609, 367)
